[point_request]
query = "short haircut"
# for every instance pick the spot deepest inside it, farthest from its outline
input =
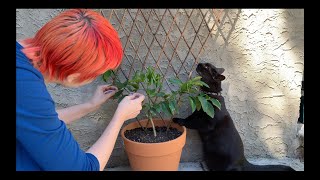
(75, 41)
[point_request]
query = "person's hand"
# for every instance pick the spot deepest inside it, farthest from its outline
(130, 106)
(103, 93)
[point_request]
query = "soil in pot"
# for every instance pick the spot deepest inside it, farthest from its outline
(147, 136)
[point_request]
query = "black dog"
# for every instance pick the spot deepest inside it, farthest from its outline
(222, 144)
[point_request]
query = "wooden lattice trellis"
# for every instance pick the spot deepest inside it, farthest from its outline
(170, 40)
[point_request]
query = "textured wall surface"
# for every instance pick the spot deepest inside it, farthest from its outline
(263, 54)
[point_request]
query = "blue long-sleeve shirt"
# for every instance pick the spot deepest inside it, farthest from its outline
(43, 141)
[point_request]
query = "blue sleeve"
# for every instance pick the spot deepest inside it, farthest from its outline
(42, 134)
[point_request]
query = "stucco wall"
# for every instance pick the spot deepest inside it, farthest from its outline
(263, 54)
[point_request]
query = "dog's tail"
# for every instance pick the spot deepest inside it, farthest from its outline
(254, 167)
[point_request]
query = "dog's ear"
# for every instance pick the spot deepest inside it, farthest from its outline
(220, 70)
(220, 77)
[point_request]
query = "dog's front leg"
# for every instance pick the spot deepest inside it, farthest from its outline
(188, 120)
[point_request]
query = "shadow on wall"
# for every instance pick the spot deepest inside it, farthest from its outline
(264, 73)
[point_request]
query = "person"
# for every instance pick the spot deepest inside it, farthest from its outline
(72, 49)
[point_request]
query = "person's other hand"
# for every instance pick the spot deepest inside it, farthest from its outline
(130, 106)
(102, 93)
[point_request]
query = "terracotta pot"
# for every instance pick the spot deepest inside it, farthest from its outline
(164, 156)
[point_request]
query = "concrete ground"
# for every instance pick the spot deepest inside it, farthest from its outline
(196, 166)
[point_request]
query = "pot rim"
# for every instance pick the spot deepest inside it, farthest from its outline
(134, 122)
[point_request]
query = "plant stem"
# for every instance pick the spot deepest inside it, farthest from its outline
(144, 129)
(149, 116)
(151, 102)
(170, 122)
(147, 124)
(154, 129)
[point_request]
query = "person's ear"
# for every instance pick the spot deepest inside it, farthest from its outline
(72, 78)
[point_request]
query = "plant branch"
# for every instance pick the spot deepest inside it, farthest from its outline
(154, 129)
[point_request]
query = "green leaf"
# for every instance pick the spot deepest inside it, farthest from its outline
(166, 96)
(210, 110)
(160, 94)
(158, 78)
(120, 85)
(201, 83)
(158, 108)
(151, 92)
(207, 97)
(158, 84)
(154, 79)
(107, 75)
(130, 88)
(192, 103)
(216, 103)
(149, 70)
(194, 90)
(172, 107)
(142, 77)
(204, 84)
(165, 108)
(175, 81)
(117, 94)
(198, 104)
(153, 111)
(183, 87)
(204, 103)
(134, 80)
(207, 107)
(197, 78)
(146, 106)
(136, 76)
(149, 76)
(135, 85)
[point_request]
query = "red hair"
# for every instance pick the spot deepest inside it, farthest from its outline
(76, 41)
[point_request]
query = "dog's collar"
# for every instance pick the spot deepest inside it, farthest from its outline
(213, 93)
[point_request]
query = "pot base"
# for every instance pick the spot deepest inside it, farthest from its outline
(164, 156)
